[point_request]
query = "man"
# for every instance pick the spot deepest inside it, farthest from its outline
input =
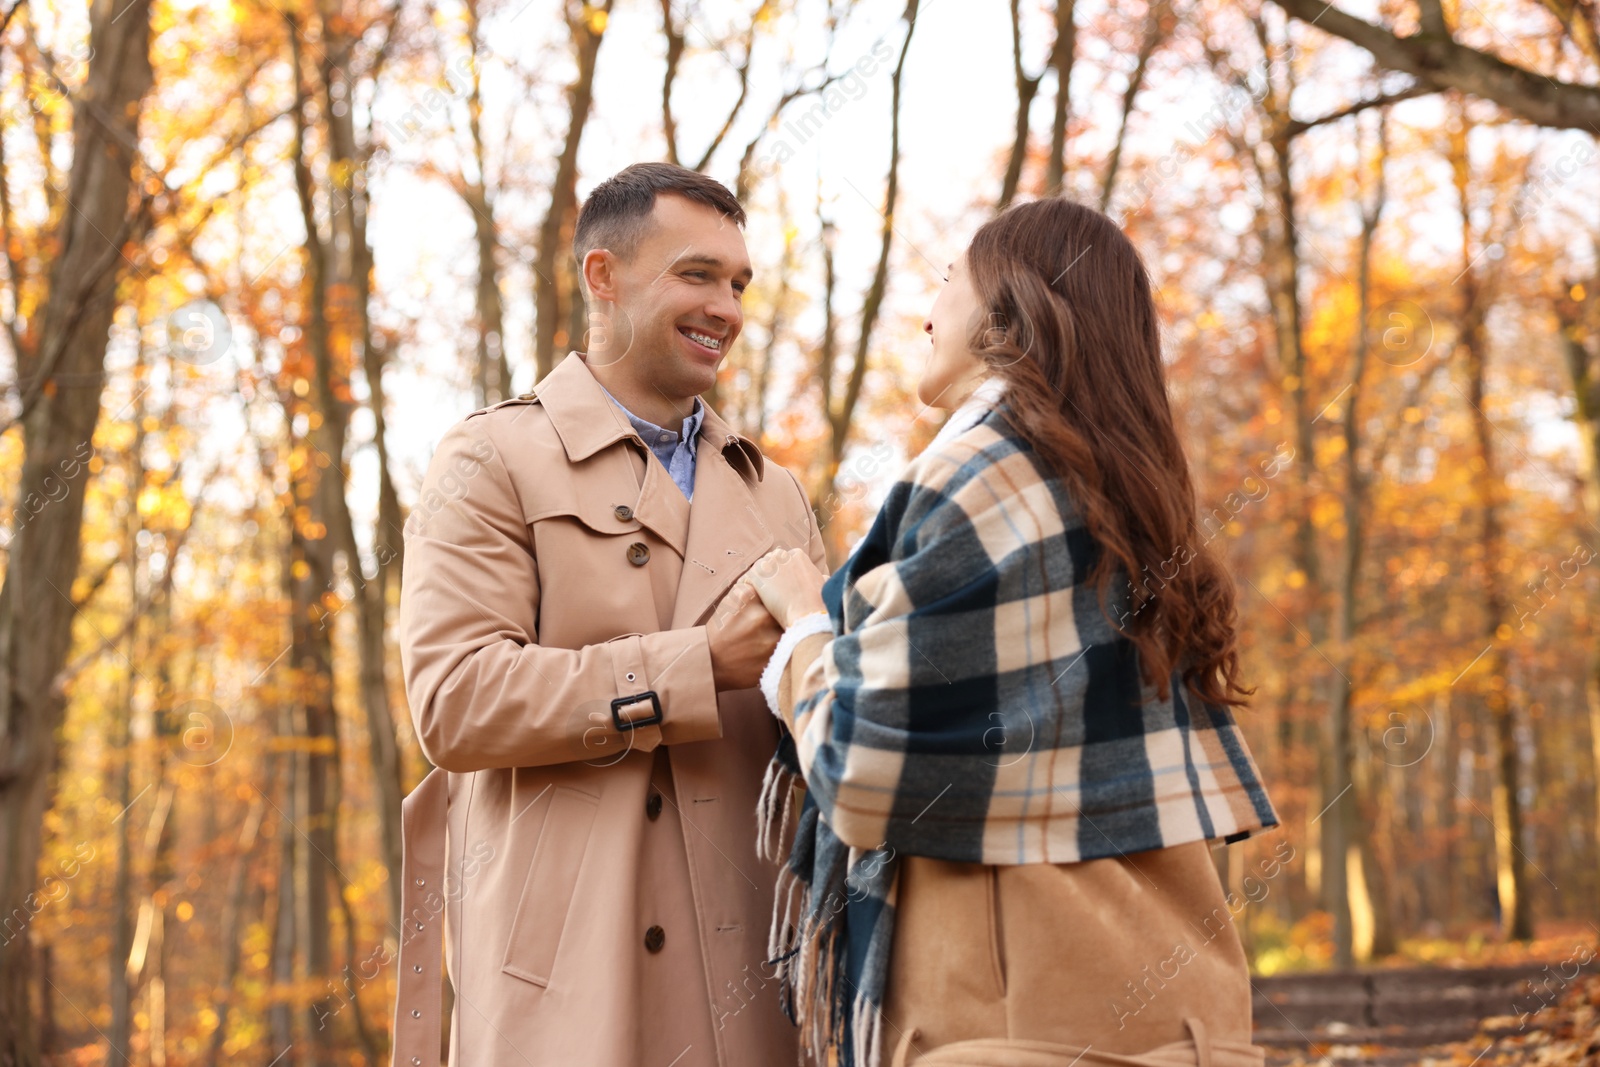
(585, 682)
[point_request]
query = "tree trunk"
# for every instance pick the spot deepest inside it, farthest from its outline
(233, 916)
(587, 26)
(1156, 29)
(348, 157)
(1281, 251)
(1357, 803)
(60, 383)
(1027, 88)
(491, 373)
(1061, 56)
(117, 1039)
(1575, 308)
(1511, 865)
(285, 917)
(756, 402)
(675, 44)
(318, 481)
(840, 418)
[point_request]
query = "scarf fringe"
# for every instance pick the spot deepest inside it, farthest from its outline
(867, 1032)
(804, 945)
(772, 810)
(810, 971)
(787, 902)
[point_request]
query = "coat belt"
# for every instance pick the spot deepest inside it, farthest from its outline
(424, 819)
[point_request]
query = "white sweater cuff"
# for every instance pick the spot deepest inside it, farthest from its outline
(804, 627)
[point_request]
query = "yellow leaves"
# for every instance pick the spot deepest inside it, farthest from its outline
(1295, 579)
(316, 746)
(1578, 292)
(594, 19)
(1424, 686)
(301, 570)
(341, 171)
(164, 506)
(184, 911)
(1412, 415)
(1326, 512)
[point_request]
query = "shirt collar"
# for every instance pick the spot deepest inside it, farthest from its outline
(652, 433)
(586, 421)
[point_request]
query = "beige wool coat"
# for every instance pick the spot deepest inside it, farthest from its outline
(592, 871)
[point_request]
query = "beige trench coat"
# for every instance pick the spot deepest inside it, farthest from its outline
(594, 871)
(1125, 961)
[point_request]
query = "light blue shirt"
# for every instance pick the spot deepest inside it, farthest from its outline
(674, 450)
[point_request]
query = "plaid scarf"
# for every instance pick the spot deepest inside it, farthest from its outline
(976, 706)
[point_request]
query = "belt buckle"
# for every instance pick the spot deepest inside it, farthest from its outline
(632, 724)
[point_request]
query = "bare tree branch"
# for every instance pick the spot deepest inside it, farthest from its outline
(1299, 126)
(1439, 61)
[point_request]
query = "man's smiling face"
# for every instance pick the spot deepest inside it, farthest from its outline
(680, 292)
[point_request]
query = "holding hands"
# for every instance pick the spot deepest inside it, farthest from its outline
(782, 586)
(788, 583)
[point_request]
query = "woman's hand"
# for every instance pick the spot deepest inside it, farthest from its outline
(788, 583)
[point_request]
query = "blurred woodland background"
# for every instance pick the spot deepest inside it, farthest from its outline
(259, 254)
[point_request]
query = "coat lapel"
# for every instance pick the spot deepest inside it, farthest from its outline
(661, 506)
(726, 531)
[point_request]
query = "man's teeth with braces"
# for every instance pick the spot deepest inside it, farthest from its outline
(701, 339)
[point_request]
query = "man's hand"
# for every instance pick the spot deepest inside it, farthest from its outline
(742, 635)
(788, 583)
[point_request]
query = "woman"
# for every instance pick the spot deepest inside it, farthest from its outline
(1014, 754)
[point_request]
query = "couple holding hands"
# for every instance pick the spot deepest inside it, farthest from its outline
(698, 804)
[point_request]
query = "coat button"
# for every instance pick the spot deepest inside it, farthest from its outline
(654, 938)
(638, 553)
(623, 512)
(652, 806)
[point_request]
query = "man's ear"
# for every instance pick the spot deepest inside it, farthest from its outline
(600, 274)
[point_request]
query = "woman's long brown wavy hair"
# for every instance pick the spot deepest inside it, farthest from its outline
(1069, 321)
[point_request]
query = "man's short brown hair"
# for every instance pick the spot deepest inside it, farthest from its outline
(616, 213)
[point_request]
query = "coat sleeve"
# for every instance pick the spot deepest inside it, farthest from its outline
(483, 692)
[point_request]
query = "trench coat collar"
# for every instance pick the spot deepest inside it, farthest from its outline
(587, 420)
(726, 533)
